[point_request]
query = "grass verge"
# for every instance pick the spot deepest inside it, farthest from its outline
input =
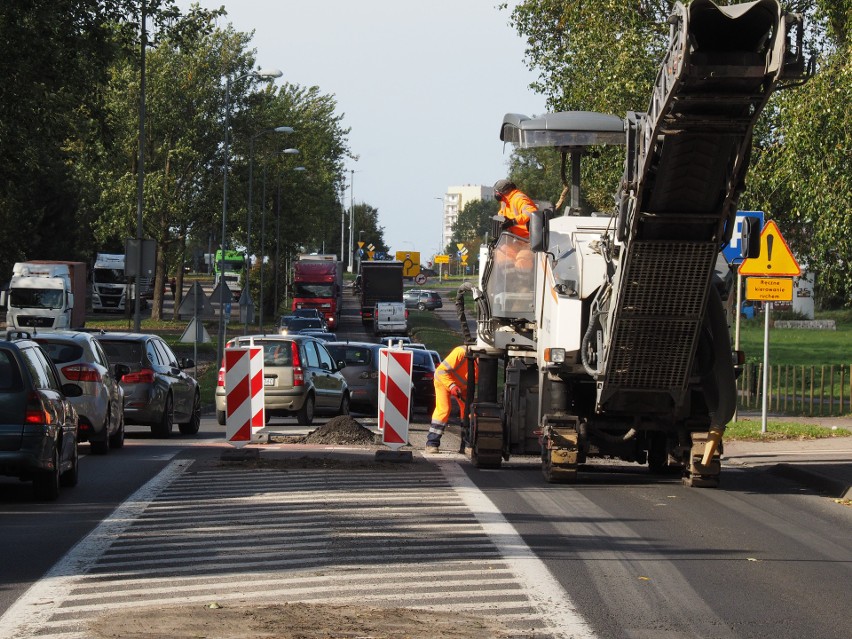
(749, 430)
(426, 327)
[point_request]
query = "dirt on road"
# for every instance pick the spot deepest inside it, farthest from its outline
(291, 621)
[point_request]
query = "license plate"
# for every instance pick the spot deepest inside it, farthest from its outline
(269, 381)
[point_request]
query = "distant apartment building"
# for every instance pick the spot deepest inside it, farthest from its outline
(455, 200)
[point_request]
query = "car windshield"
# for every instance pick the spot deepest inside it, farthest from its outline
(108, 276)
(300, 323)
(36, 297)
(314, 290)
(352, 355)
(61, 352)
(122, 352)
(278, 353)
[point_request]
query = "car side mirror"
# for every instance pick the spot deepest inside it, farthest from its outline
(186, 362)
(341, 365)
(121, 370)
(71, 390)
(750, 237)
(538, 230)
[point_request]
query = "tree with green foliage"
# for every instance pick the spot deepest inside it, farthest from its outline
(590, 56)
(801, 172)
(55, 57)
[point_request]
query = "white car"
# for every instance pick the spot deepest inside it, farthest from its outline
(80, 360)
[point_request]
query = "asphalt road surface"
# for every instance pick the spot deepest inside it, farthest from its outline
(622, 553)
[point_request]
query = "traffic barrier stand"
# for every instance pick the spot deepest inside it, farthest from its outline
(244, 412)
(395, 366)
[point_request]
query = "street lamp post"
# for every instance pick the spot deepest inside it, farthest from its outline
(278, 232)
(262, 244)
(351, 217)
(442, 245)
(342, 221)
(261, 74)
(277, 129)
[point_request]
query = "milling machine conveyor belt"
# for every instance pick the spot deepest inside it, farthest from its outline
(687, 159)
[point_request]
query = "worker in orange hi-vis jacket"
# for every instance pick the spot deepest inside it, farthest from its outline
(515, 206)
(450, 383)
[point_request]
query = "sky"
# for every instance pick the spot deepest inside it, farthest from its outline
(423, 86)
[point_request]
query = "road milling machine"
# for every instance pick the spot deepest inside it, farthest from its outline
(611, 328)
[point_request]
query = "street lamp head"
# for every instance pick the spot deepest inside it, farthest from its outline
(283, 129)
(268, 74)
(299, 168)
(290, 152)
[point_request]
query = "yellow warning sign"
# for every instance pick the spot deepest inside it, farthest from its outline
(442, 259)
(361, 244)
(460, 246)
(464, 259)
(410, 262)
(775, 258)
(769, 289)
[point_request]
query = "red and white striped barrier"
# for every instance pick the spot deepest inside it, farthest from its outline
(243, 394)
(395, 396)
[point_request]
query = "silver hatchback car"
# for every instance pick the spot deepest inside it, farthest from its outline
(80, 360)
(300, 378)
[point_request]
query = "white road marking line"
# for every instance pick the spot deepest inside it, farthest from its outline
(38, 604)
(544, 591)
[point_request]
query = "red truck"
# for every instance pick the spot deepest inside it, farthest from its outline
(318, 283)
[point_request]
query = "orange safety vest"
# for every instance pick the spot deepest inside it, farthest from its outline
(518, 207)
(452, 371)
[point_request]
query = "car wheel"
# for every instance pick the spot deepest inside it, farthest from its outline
(191, 427)
(164, 427)
(306, 412)
(46, 483)
(344, 405)
(101, 446)
(220, 417)
(116, 440)
(421, 306)
(71, 476)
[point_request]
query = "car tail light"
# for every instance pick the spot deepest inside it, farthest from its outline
(145, 376)
(428, 376)
(298, 373)
(36, 413)
(81, 373)
(220, 378)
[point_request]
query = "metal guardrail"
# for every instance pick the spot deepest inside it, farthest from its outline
(814, 391)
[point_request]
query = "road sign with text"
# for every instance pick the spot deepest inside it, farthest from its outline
(769, 289)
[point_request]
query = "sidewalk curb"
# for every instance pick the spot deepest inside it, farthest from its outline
(813, 480)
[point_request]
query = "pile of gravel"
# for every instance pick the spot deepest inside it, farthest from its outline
(342, 430)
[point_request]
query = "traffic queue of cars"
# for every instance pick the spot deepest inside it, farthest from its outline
(62, 388)
(59, 389)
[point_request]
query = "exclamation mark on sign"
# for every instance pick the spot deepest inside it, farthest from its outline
(769, 239)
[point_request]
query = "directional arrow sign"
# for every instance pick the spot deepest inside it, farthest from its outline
(775, 258)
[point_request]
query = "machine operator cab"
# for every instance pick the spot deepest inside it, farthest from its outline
(508, 280)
